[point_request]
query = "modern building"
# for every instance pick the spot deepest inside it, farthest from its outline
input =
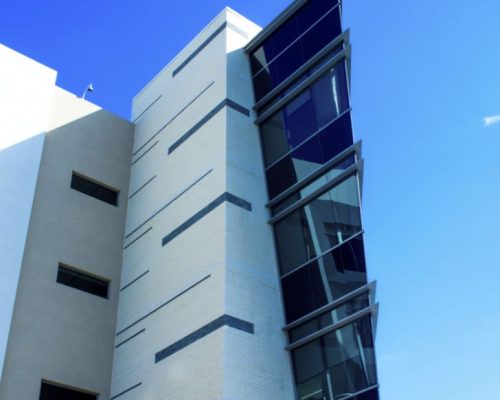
(211, 248)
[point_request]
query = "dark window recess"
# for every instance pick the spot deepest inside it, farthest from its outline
(82, 281)
(54, 392)
(93, 189)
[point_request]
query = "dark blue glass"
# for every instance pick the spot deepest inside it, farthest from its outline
(324, 280)
(289, 31)
(299, 52)
(308, 157)
(306, 114)
(294, 167)
(370, 395)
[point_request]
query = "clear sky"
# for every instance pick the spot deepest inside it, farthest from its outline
(425, 74)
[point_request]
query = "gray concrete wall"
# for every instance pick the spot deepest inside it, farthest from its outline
(58, 333)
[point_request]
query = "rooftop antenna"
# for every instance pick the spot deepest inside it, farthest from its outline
(89, 88)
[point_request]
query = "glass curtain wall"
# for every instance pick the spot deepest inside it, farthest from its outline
(312, 174)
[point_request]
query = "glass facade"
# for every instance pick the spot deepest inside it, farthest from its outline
(312, 172)
(296, 41)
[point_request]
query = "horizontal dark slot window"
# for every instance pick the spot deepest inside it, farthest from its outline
(82, 281)
(49, 391)
(305, 48)
(289, 31)
(325, 279)
(93, 189)
(313, 109)
(310, 156)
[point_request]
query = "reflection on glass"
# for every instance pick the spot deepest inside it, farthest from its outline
(330, 317)
(306, 114)
(324, 222)
(331, 174)
(314, 389)
(324, 280)
(309, 156)
(278, 66)
(345, 355)
(289, 31)
(350, 357)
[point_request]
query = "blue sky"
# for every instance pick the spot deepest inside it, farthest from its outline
(425, 74)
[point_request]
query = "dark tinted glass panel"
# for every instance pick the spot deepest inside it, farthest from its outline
(81, 281)
(350, 357)
(297, 54)
(309, 156)
(306, 114)
(262, 82)
(289, 31)
(314, 389)
(324, 280)
(94, 189)
(304, 291)
(326, 221)
(308, 361)
(369, 395)
(53, 392)
(331, 317)
(315, 185)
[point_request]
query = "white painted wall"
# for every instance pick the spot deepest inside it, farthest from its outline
(19, 166)
(26, 89)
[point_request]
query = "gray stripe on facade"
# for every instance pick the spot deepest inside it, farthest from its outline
(134, 280)
(174, 117)
(137, 238)
(169, 202)
(163, 304)
(125, 391)
(130, 338)
(199, 49)
(146, 152)
(224, 320)
(142, 187)
(237, 30)
(231, 198)
(226, 102)
(147, 108)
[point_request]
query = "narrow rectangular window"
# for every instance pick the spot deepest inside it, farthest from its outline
(94, 189)
(50, 391)
(82, 281)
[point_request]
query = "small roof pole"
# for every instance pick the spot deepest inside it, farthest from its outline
(89, 88)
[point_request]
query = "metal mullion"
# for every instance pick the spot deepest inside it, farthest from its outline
(344, 54)
(355, 149)
(352, 170)
(344, 322)
(369, 287)
(310, 137)
(343, 37)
